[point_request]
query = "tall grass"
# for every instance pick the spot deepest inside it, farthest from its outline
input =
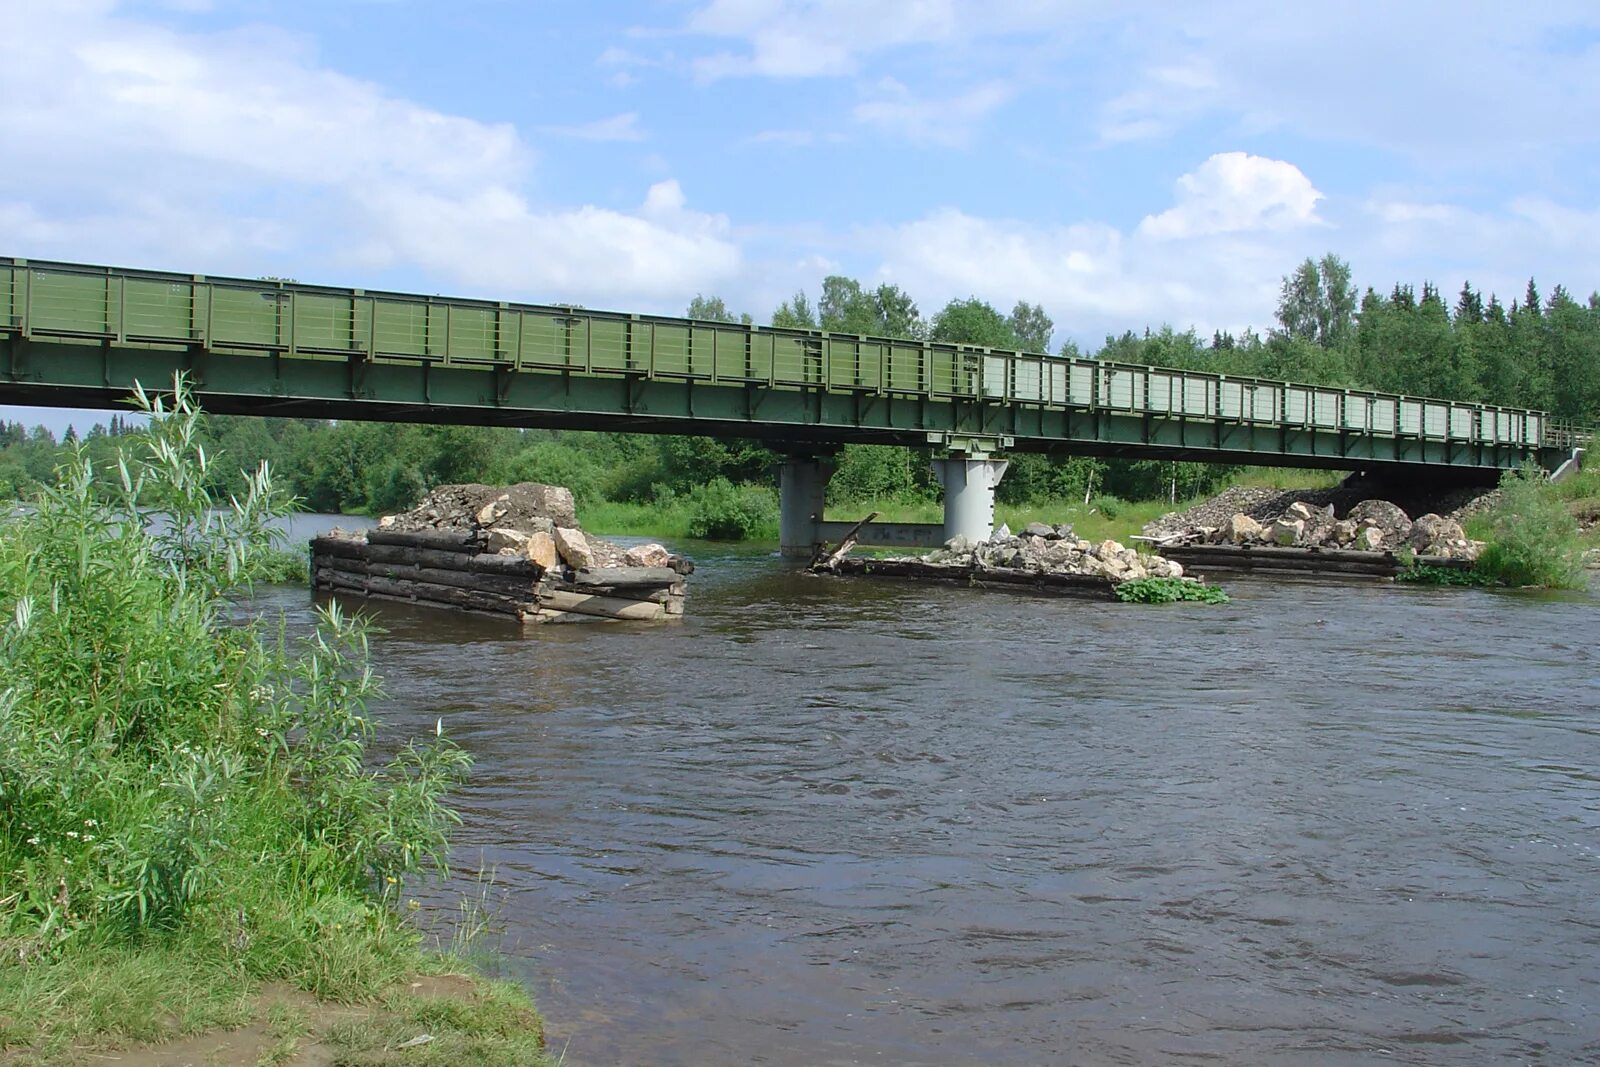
(175, 787)
(1533, 537)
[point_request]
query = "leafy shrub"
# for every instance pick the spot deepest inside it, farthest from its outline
(1422, 574)
(1169, 591)
(1110, 506)
(163, 772)
(1533, 538)
(722, 511)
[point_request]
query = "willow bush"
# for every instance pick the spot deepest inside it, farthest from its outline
(1533, 538)
(165, 773)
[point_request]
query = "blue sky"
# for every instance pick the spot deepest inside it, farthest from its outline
(1123, 165)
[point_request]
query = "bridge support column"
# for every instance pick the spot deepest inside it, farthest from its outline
(969, 483)
(802, 483)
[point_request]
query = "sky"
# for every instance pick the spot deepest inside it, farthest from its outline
(1124, 165)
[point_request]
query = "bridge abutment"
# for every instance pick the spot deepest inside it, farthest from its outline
(969, 482)
(802, 488)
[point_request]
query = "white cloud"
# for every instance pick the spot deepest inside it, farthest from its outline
(896, 110)
(813, 38)
(1235, 191)
(239, 153)
(623, 127)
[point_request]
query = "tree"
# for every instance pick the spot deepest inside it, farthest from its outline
(1032, 327)
(795, 313)
(974, 322)
(1317, 303)
(709, 309)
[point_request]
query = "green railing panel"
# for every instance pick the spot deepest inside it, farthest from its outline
(10, 313)
(69, 303)
(245, 317)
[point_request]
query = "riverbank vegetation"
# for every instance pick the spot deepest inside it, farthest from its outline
(192, 812)
(1535, 351)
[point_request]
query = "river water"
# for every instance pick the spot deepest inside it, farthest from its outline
(857, 822)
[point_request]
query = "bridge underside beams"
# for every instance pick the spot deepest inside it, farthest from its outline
(94, 375)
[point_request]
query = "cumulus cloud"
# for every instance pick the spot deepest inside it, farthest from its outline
(1235, 191)
(239, 152)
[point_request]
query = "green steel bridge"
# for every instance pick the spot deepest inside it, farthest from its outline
(82, 336)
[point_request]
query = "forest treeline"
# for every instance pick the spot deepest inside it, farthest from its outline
(1539, 352)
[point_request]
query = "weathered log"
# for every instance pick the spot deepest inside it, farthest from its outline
(1369, 564)
(545, 615)
(429, 593)
(495, 614)
(1089, 585)
(482, 563)
(603, 606)
(469, 541)
(510, 585)
(622, 577)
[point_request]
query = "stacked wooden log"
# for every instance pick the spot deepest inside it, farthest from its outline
(450, 568)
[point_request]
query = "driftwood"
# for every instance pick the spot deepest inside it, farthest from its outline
(825, 560)
(438, 540)
(1084, 585)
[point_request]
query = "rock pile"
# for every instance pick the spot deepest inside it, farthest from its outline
(1054, 550)
(515, 551)
(1369, 526)
(527, 519)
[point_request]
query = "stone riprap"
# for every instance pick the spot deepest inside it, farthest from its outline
(1377, 526)
(514, 550)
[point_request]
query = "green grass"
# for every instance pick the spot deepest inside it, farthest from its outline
(1169, 591)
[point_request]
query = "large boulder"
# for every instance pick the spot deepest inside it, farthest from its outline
(1287, 531)
(1381, 515)
(1241, 529)
(1342, 533)
(508, 542)
(541, 549)
(1039, 529)
(574, 548)
(651, 555)
(1432, 535)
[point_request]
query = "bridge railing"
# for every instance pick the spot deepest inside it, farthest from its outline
(72, 301)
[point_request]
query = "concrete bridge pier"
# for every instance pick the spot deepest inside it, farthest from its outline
(802, 485)
(969, 482)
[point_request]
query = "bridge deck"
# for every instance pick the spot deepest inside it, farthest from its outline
(72, 334)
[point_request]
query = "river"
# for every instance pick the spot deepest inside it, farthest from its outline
(835, 822)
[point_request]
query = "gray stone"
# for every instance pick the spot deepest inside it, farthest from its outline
(958, 544)
(507, 542)
(574, 548)
(651, 555)
(1384, 516)
(541, 549)
(1241, 529)
(1039, 529)
(1431, 535)
(1368, 539)
(1344, 532)
(1287, 531)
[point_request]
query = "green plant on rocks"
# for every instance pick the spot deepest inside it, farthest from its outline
(1169, 591)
